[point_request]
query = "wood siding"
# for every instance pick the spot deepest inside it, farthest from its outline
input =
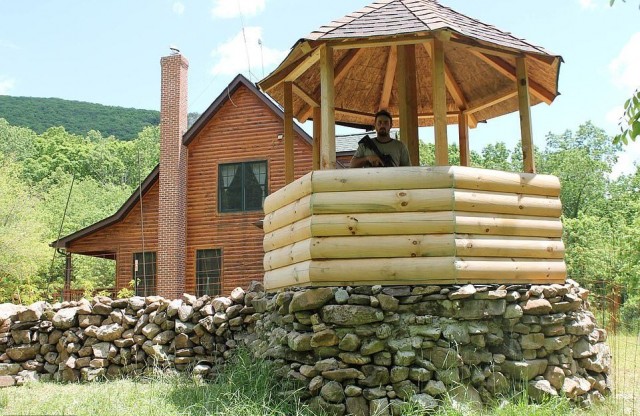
(125, 237)
(243, 129)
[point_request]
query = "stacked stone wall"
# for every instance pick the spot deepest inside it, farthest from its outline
(356, 350)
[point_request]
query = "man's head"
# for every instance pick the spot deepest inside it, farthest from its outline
(383, 123)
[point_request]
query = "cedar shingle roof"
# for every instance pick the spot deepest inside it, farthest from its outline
(480, 64)
(397, 17)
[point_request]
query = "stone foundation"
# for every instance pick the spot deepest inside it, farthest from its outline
(356, 350)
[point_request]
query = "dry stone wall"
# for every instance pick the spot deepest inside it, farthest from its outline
(356, 350)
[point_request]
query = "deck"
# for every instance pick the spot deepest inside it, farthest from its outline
(414, 225)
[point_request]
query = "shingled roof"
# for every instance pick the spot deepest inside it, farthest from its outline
(480, 63)
(397, 17)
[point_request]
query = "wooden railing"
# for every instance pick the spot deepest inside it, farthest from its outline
(414, 225)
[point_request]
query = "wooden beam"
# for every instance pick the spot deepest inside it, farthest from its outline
(389, 75)
(490, 101)
(525, 116)
(305, 96)
(317, 131)
(463, 139)
(506, 69)
(408, 100)
(327, 103)
(439, 96)
(411, 39)
(340, 72)
(452, 86)
(291, 72)
(288, 132)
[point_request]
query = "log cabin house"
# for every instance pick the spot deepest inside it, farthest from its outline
(191, 226)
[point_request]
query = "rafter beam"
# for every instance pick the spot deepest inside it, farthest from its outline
(490, 101)
(305, 96)
(509, 71)
(389, 75)
(453, 88)
(292, 71)
(340, 72)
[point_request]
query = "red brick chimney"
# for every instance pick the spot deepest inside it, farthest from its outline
(172, 215)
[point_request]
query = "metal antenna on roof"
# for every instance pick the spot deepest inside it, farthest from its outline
(261, 56)
(244, 36)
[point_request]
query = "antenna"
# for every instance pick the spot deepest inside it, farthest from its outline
(261, 56)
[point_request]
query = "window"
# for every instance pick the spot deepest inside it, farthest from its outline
(242, 186)
(144, 273)
(208, 266)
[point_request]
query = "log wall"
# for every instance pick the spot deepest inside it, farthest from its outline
(414, 225)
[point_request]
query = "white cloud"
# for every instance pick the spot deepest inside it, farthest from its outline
(232, 56)
(178, 7)
(6, 85)
(628, 158)
(588, 4)
(625, 68)
(613, 115)
(227, 9)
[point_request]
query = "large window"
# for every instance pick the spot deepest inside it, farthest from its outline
(242, 186)
(208, 266)
(144, 273)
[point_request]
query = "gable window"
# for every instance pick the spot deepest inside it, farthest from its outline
(144, 273)
(242, 186)
(208, 267)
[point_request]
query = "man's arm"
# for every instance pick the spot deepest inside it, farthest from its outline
(373, 160)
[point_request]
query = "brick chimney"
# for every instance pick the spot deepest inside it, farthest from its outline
(172, 215)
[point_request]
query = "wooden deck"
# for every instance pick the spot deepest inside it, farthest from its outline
(414, 225)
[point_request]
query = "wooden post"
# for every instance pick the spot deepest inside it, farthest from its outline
(288, 132)
(463, 139)
(439, 97)
(525, 115)
(327, 105)
(317, 132)
(408, 101)
(68, 267)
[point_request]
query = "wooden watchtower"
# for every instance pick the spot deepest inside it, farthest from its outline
(428, 66)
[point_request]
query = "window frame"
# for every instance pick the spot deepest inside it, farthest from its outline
(220, 270)
(149, 290)
(243, 165)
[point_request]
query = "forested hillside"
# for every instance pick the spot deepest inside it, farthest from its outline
(601, 216)
(77, 117)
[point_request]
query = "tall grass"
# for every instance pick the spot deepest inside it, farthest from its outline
(246, 387)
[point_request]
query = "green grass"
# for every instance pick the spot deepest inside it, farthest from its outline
(248, 388)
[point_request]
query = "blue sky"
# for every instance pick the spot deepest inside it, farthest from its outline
(108, 52)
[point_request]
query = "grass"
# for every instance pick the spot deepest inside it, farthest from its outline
(247, 388)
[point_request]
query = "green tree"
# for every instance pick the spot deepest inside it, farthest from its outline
(23, 251)
(583, 161)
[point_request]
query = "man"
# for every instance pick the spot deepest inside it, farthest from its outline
(394, 151)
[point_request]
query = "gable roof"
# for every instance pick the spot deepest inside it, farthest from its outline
(224, 96)
(397, 17)
(152, 178)
(117, 216)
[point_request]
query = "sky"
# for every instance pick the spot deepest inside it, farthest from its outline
(108, 52)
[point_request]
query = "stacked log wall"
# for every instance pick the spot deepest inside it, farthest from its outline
(412, 225)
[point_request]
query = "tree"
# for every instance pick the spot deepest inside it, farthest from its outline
(583, 162)
(22, 249)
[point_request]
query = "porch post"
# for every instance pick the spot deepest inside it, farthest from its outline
(68, 267)
(463, 138)
(408, 101)
(288, 132)
(439, 98)
(317, 132)
(327, 105)
(522, 81)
